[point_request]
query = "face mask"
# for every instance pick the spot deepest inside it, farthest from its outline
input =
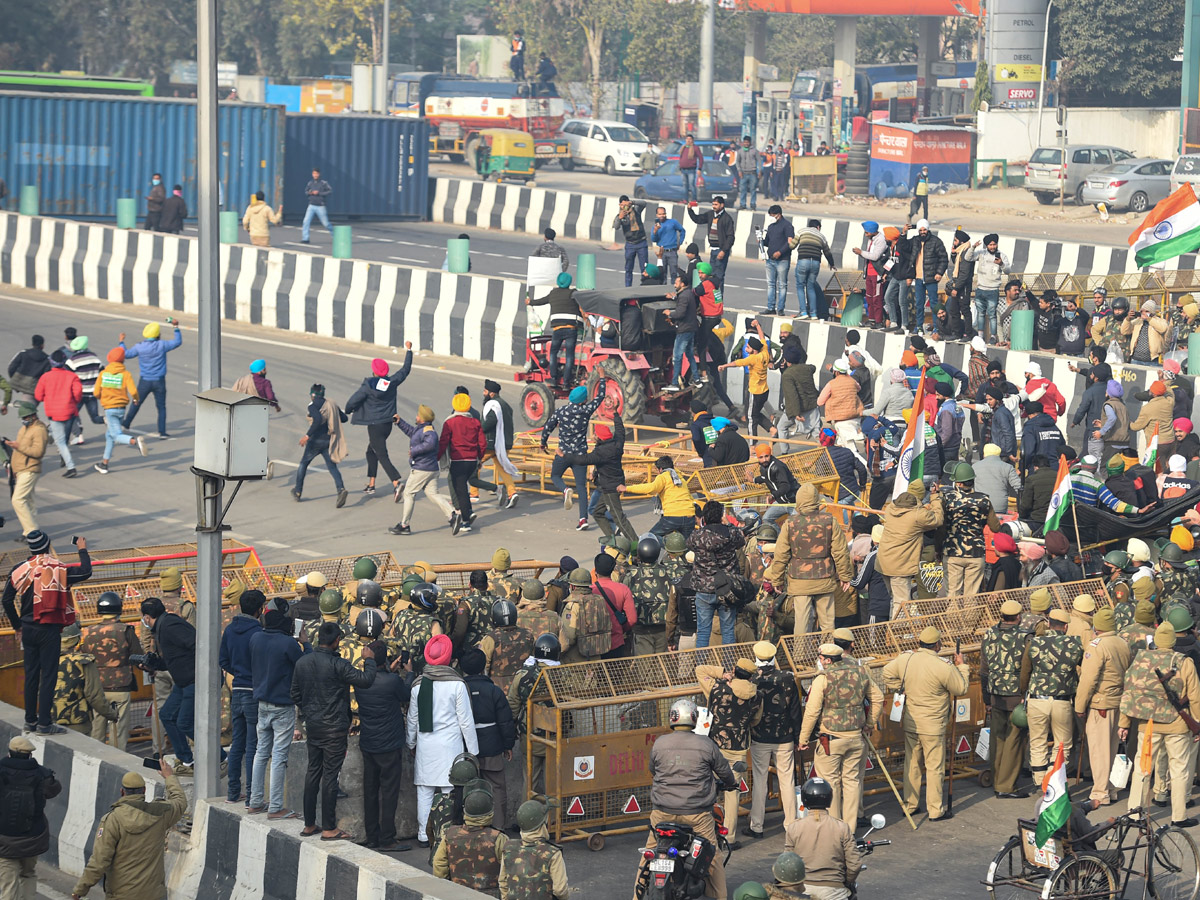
(1069, 314)
(156, 181)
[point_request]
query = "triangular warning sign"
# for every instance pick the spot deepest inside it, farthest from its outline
(743, 787)
(870, 765)
(576, 808)
(964, 746)
(632, 806)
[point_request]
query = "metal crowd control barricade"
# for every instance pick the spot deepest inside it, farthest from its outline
(131, 563)
(729, 483)
(1061, 595)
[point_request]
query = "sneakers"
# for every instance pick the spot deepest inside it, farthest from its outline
(512, 500)
(400, 529)
(455, 522)
(568, 498)
(583, 525)
(141, 445)
(51, 729)
(464, 528)
(672, 388)
(501, 496)
(183, 770)
(369, 490)
(163, 436)
(101, 467)
(397, 491)
(341, 497)
(30, 728)
(77, 441)
(70, 473)
(296, 495)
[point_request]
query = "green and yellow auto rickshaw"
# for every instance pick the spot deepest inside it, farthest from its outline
(504, 153)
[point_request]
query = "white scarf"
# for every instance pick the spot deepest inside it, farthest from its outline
(493, 407)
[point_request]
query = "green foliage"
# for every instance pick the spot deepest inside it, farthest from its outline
(983, 87)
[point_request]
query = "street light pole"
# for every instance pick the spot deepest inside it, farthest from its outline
(387, 21)
(208, 543)
(705, 124)
(1042, 83)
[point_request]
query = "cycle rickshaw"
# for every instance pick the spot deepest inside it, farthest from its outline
(1158, 862)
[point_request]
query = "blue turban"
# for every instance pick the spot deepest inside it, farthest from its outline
(719, 422)
(871, 227)
(259, 365)
(563, 280)
(578, 394)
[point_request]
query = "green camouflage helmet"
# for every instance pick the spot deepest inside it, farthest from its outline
(531, 815)
(1019, 717)
(1171, 553)
(752, 890)
(71, 636)
(580, 578)
(788, 868)
(365, 567)
(1117, 558)
(330, 603)
(465, 768)
(677, 543)
(963, 472)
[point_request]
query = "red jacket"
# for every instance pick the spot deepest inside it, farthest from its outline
(60, 392)
(1046, 391)
(706, 292)
(463, 436)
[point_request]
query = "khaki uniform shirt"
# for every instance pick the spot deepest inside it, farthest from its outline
(1102, 675)
(929, 683)
(831, 858)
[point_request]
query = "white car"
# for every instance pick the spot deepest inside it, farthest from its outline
(608, 145)
(1186, 171)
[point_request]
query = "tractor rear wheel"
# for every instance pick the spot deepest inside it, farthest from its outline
(624, 387)
(537, 404)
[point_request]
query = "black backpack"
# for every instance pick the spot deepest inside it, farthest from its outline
(524, 689)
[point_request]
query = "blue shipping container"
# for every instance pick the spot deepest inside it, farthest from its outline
(377, 166)
(85, 152)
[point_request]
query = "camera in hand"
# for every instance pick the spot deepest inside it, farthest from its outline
(151, 662)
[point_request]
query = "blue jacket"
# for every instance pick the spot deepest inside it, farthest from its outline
(778, 235)
(668, 235)
(235, 649)
(422, 446)
(153, 355)
(273, 657)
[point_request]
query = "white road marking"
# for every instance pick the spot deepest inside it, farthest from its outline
(406, 259)
(312, 554)
(274, 545)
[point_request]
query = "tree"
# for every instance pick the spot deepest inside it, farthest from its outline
(249, 35)
(355, 25)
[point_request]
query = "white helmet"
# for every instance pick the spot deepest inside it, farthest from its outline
(683, 713)
(1138, 550)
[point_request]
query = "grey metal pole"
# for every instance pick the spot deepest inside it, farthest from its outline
(705, 126)
(208, 542)
(387, 21)
(1042, 83)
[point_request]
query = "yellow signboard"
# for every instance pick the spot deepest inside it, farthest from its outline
(1018, 72)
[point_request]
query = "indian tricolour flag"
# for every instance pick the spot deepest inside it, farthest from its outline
(1171, 229)
(1151, 454)
(1061, 499)
(1055, 806)
(911, 466)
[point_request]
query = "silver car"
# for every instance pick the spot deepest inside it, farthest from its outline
(1046, 172)
(1136, 184)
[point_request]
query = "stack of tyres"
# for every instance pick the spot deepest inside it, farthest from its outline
(858, 168)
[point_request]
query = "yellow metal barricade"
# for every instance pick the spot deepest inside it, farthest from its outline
(728, 483)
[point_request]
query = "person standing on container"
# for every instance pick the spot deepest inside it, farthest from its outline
(317, 191)
(152, 371)
(154, 202)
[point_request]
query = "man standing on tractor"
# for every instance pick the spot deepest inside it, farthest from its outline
(565, 319)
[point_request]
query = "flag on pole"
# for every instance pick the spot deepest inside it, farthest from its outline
(1151, 454)
(1062, 498)
(1172, 228)
(911, 466)
(1055, 806)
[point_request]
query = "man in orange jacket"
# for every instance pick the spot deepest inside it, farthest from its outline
(115, 390)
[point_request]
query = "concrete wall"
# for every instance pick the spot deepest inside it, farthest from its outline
(1011, 134)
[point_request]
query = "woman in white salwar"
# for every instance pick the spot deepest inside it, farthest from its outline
(440, 726)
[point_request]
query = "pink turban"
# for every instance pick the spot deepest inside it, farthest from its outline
(379, 367)
(439, 650)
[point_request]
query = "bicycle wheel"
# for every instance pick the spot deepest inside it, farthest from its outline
(1082, 876)
(1006, 875)
(1175, 871)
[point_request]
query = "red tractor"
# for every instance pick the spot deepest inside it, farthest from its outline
(637, 364)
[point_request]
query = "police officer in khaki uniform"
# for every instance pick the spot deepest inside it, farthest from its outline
(928, 683)
(1053, 676)
(573, 637)
(832, 860)
(507, 645)
(1001, 666)
(1143, 701)
(1098, 699)
(1080, 624)
(843, 704)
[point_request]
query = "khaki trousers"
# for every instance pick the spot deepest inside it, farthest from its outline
(733, 798)
(702, 824)
(804, 604)
(964, 575)
(501, 476)
(785, 769)
(1177, 749)
(930, 748)
(827, 892)
(22, 500)
(260, 240)
(840, 767)
(1007, 750)
(1101, 732)
(649, 639)
(1049, 718)
(901, 588)
(103, 730)
(18, 878)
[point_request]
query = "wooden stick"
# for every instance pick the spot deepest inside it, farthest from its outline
(888, 776)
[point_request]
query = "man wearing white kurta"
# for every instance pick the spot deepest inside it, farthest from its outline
(440, 725)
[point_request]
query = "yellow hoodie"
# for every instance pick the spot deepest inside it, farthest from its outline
(676, 499)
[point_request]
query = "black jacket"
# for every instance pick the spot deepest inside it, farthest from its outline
(606, 458)
(781, 711)
(962, 282)
(729, 448)
(177, 646)
(935, 260)
(904, 254)
(381, 713)
(321, 688)
(1047, 325)
(494, 725)
(725, 228)
(1040, 436)
(174, 211)
(27, 367)
(371, 406)
(780, 482)
(1091, 406)
(24, 830)
(697, 426)
(75, 574)
(851, 472)
(684, 315)
(489, 426)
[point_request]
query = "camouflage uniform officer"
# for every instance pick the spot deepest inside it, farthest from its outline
(533, 868)
(1080, 622)
(771, 608)
(1144, 700)
(1124, 606)
(1053, 677)
(1001, 664)
(502, 584)
(1141, 631)
(1035, 621)
(411, 629)
(469, 854)
(1177, 581)
(758, 560)
(843, 704)
(733, 702)
(507, 645)
(369, 595)
(546, 650)
(447, 808)
(650, 585)
(112, 642)
(788, 870)
(681, 610)
(476, 605)
(79, 693)
(1098, 698)
(967, 512)
(365, 568)
(928, 683)
(619, 547)
(578, 643)
(532, 614)
(773, 735)
(329, 605)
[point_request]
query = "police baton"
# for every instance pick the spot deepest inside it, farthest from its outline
(953, 741)
(891, 784)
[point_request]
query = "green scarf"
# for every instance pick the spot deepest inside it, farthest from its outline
(429, 675)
